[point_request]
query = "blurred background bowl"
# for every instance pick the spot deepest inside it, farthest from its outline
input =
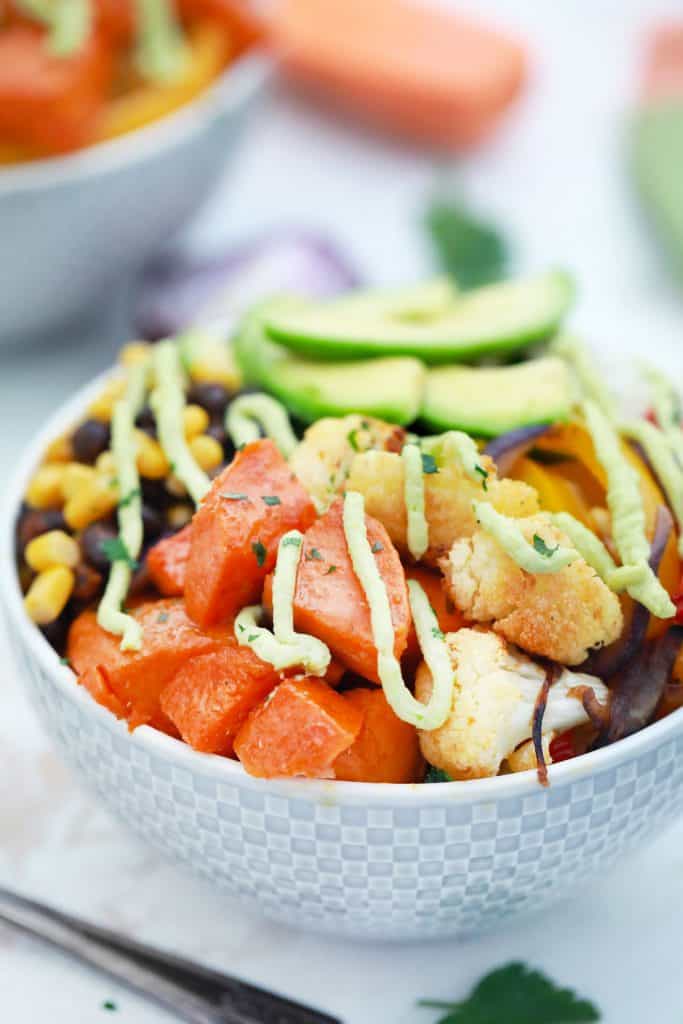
(83, 224)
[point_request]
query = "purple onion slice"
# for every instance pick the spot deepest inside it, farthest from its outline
(640, 688)
(506, 449)
(178, 292)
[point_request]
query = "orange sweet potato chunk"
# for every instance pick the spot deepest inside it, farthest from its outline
(167, 562)
(386, 748)
(235, 533)
(329, 601)
(301, 729)
(209, 698)
(137, 678)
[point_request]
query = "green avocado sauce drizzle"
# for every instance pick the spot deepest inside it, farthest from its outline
(109, 614)
(69, 23)
(404, 704)
(625, 504)
(417, 526)
(460, 447)
(167, 402)
(507, 533)
(575, 353)
(283, 647)
(595, 554)
(248, 413)
(664, 463)
(667, 408)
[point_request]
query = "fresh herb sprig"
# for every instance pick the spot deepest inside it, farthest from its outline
(468, 248)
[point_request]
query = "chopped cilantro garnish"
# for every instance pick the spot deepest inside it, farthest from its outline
(313, 555)
(240, 627)
(109, 1005)
(65, 661)
(438, 633)
(291, 542)
(377, 547)
(542, 548)
(270, 499)
(331, 569)
(429, 463)
(259, 551)
(234, 496)
(469, 249)
(436, 775)
(252, 637)
(130, 497)
(162, 617)
(517, 994)
(484, 474)
(351, 438)
(115, 550)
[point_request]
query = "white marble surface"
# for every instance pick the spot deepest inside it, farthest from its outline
(555, 178)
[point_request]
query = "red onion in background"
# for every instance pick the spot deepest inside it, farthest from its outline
(506, 449)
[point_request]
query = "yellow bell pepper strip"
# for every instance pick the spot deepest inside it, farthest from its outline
(208, 52)
(555, 492)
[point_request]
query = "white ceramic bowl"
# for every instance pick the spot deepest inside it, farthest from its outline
(355, 859)
(74, 227)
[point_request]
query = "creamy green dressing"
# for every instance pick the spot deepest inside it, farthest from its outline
(404, 704)
(507, 533)
(666, 405)
(283, 647)
(161, 53)
(575, 353)
(663, 461)
(627, 513)
(414, 491)
(249, 412)
(617, 577)
(69, 22)
(167, 402)
(109, 614)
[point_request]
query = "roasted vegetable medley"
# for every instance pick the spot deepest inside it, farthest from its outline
(75, 72)
(265, 549)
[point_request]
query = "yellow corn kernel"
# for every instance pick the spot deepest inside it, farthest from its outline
(102, 407)
(216, 365)
(48, 594)
(151, 459)
(178, 515)
(52, 548)
(45, 487)
(175, 486)
(59, 450)
(207, 451)
(75, 478)
(134, 353)
(105, 464)
(195, 420)
(90, 503)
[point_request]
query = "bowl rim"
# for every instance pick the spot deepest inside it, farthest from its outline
(228, 92)
(226, 770)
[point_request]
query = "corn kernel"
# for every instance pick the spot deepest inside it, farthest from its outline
(52, 548)
(175, 486)
(103, 405)
(48, 594)
(75, 477)
(151, 459)
(106, 464)
(134, 353)
(195, 420)
(216, 365)
(178, 516)
(45, 487)
(90, 503)
(207, 451)
(59, 450)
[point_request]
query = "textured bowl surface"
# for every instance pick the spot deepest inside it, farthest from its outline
(77, 225)
(366, 861)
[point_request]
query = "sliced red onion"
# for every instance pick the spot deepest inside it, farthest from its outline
(606, 662)
(178, 292)
(551, 673)
(640, 688)
(506, 449)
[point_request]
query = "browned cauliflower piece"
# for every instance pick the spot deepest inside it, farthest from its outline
(495, 688)
(448, 498)
(323, 458)
(559, 616)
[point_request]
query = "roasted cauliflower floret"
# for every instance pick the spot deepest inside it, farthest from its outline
(448, 498)
(495, 688)
(323, 458)
(559, 616)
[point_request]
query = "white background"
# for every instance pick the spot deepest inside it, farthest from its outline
(555, 177)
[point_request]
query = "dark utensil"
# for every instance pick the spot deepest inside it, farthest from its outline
(194, 993)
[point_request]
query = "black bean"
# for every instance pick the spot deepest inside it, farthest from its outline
(88, 583)
(218, 431)
(146, 421)
(90, 440)
(212, 397)
(154, 493)
(92, 539)
(55, 632)
(152, 521)
(34, 521)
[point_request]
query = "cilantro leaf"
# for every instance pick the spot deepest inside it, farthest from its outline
(291, 542)
(437, 633)
(270, 499)
(517, 994)
(259, 551)
(109, 1005)
(332, 568)
(234, 496)
(351, 438)
(130, 497)
(437, 775)
(162, 617)
(313, 555)
(468, 248)
(115, 550)
(484, 474)
(377, 547)
(65, 661)
(542, 548)
(429, 463)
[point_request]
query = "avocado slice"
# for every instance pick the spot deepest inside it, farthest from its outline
(490, 400)
(389, 388)
(498, 318)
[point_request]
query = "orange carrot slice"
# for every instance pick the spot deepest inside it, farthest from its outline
(301, 729)
(385, 750)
